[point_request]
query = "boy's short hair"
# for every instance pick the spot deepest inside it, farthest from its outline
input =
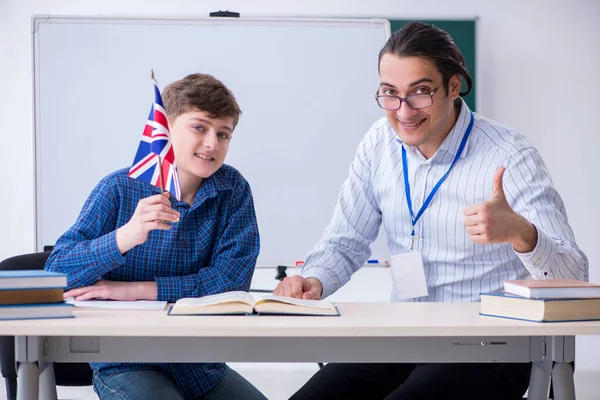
(201, 92)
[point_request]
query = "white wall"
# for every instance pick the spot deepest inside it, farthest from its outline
(538, 71)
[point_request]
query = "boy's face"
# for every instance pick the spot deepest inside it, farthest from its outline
(200, 143)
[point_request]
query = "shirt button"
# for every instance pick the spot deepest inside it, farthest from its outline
(538, 261)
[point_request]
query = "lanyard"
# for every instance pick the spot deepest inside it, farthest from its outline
(436, 187)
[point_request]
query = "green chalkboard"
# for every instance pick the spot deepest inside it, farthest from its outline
(463, 33)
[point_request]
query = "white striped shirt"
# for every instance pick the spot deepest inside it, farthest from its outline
(456, 268)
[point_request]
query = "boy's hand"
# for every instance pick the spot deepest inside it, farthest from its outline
(300, 288)
(114, 290)
(151, 213)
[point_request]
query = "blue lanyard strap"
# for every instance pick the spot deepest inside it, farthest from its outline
(437, 186)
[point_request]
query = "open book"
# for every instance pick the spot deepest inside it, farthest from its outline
(243, 303)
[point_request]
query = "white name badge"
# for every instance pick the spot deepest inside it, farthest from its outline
(408, 275)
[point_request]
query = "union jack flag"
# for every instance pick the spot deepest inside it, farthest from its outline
(154, 161)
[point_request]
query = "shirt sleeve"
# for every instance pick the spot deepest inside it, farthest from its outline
(88, 250)
(345, 244)
(531, 193)
(233, 260)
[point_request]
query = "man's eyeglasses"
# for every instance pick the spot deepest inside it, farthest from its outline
(414, 101)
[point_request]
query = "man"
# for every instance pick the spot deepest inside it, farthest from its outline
(465, 196)
(131, 243)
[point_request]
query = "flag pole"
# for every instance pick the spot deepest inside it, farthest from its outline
(162, 186)
(160, 175)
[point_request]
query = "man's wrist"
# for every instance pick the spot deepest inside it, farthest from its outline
(526, 239)
(318, 283)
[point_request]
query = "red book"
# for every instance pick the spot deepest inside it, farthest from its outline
(552, 288)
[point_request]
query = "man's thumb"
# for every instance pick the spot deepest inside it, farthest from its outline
(311, 293)
(498, 190)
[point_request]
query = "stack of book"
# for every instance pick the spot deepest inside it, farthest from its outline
(33, 294)
(553, 300)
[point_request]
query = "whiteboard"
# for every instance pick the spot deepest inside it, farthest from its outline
(305, 86)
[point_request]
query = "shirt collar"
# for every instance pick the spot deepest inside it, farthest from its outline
(220, 181)
(452, 142)
(211, 186)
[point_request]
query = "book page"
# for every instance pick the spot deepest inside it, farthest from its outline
(551, 283)
(220, 298)
(144, 305)
(322, 304)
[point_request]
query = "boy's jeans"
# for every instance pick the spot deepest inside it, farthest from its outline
(149, 385)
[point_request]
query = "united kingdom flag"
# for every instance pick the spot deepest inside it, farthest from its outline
(155, 160)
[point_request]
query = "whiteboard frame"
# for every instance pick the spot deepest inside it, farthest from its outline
(36, 20)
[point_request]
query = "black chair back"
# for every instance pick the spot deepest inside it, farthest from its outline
(66, 374)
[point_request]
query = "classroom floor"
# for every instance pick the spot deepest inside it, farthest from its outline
(279, 382)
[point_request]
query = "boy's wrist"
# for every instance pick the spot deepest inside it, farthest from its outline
(146, 290)
(123, 243)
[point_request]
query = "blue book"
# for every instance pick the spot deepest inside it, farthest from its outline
(32, 279)
(36, 311)
(506, 305)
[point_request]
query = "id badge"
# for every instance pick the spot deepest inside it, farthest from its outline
(408, 275)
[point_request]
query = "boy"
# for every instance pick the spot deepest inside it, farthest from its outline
(132, 243)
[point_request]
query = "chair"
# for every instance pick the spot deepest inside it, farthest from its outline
(66, 374)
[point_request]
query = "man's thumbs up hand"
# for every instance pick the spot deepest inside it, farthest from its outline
(498, 190)
(494, 221)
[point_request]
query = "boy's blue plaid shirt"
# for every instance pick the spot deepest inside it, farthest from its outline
(213, 249)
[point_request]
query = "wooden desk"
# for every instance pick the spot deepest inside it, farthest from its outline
(366, 332)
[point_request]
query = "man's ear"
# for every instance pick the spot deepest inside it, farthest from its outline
(454, 86)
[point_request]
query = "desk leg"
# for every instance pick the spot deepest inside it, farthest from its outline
(28, 379)
(48, 383)
(562, 382)
(539, 383)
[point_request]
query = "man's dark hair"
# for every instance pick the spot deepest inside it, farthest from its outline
(417, 39)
